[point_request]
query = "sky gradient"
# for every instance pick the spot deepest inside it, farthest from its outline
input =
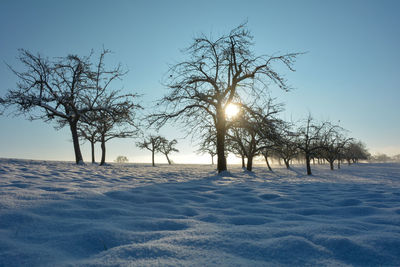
(349, 74)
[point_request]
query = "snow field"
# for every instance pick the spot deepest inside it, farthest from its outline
(60, 214)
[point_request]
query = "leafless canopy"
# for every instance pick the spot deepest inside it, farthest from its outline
(216, 73)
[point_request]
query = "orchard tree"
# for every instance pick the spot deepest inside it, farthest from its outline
(62, 90)
(151, 143)
(121, 159)
(355, 151)
(208, 143)
(311, 138)
(254, 130)
(335, 143)
(216, 73)
(87, 132)
(286, 147)
(166, 147)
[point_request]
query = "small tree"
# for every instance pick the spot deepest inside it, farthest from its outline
(166, 147)
(87, 132)
(151, 143)
(121, 159)
(333, 149)
(208, 144)
(254, 130)
(355, 151)
(311, 139)
(286, 147)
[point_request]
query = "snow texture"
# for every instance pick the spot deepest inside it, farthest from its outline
(61, 214)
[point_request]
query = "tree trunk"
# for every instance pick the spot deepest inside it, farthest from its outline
(266, 160)
(75, 140)
(152, 158)
(243, 163)
(250, 163)
(212, 159)
(103, 151)
(169, 161)
(331, 164)
(338, 163)
(308, 164)
(92, 148)
(286, 163)
(221, 130)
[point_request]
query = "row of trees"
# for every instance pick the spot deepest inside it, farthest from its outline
(384, 158)
(157, 143)
(218, 74)
(260, 133)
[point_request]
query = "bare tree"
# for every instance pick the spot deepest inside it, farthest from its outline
(208, 143)
(89, 133)
(255, 130)
(334, 146)
(121, 159)
(355, 151)
(286, 146)
(63, 90)
(118, 121)
(166, 147)
(151, 143)
(217, 73)
(311, 139)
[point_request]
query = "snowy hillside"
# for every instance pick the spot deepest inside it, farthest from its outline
(60, 214)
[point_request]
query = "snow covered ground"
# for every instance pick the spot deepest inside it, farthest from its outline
(60, 214)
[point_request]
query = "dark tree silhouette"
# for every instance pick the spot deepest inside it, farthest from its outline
(254, 130)
(208, 143)
(355, 151)
(335, 143)
(285, 146)
(118, 121)
(312, 138)
(166, 147)
(151, 143)
(87, 131)
(63, 90)
(216, 73)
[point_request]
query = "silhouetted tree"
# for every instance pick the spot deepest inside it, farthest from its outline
(311, 139)
(254, 130)
(286, 147)
(63, 90)
(87, 131)
(208, 143)
(151, 143)
(166, 147)
(334, 146)
(216, 73)
(355, 151)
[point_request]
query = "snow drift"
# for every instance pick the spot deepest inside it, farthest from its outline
(61, 214)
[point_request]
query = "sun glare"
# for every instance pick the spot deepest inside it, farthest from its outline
(231, 111)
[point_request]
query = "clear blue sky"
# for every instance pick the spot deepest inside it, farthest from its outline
(350, 73)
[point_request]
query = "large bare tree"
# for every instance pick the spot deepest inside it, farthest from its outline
(62, 90)
(216, 73)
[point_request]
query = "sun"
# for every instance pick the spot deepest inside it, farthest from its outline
(231, 110)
